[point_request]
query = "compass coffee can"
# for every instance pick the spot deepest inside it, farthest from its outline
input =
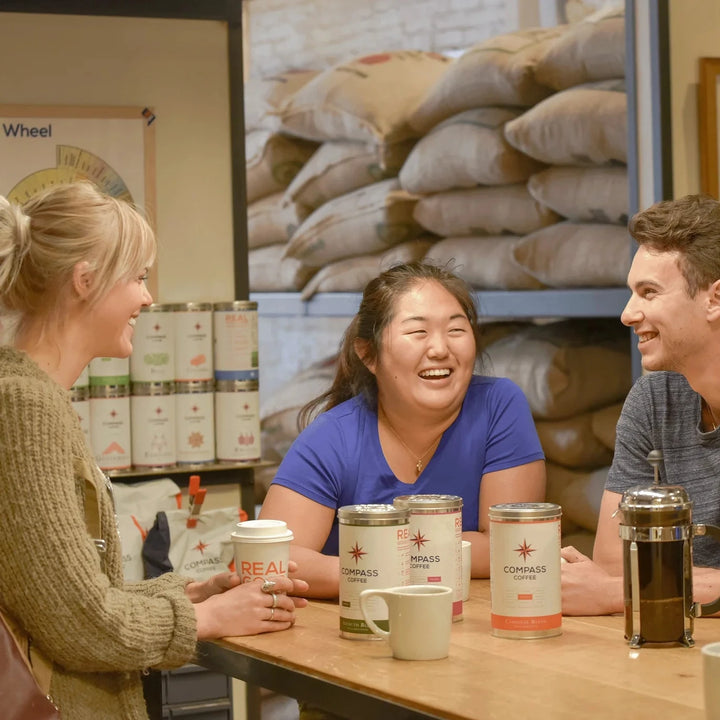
(237, 421)
(153, 355)
(525, 594)
(110, 426)
(436, 542)
(374, 548)
(193, 341)
(152, 413)
(235, 338)
(195, 422)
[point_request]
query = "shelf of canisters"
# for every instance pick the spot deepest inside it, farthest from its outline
(582, 302)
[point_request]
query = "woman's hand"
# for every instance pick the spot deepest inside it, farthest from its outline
(244, 609)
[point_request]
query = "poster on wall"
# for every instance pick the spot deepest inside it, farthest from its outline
(113, 147)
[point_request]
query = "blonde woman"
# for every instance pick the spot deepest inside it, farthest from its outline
(73, 264)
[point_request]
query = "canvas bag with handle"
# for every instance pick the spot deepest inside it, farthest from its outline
(26, 672)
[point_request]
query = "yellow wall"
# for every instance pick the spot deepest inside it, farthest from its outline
(179, 68)
(694, 33)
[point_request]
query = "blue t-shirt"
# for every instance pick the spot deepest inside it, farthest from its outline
(337, 460)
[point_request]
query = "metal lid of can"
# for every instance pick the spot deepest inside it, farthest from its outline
(156, 307)
(79, 392)
(372, 515)
(191, 307)
(428, 502)
(153, 388)
(109, 391)
(229, 386)
(236, 305)
(525, 511)
(193, 386)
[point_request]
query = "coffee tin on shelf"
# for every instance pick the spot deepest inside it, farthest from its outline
(152, 412)
(193, 341)
(235, 331)
(110, 426)
(436, 542)
(237, 421)
(374, 547)
(195, 422)
(525, 570)
(153, 355)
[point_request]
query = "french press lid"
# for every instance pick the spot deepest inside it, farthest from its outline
(656, 504)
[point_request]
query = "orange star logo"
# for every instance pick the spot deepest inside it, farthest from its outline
(418, 540)
(524, 550)
(357, 552)
(201, 547)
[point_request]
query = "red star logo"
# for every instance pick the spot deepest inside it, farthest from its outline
(158, 411)
(113, 413)
(194, 408)
(198, 327)
(157, 328)
(201, 547)
(418, 540)
(525, 550)
(357, 552)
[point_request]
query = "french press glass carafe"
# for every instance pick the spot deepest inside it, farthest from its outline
(657, 531)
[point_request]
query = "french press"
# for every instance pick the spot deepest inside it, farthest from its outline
(657, 531)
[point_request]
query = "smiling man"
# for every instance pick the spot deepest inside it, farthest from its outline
(674, 311)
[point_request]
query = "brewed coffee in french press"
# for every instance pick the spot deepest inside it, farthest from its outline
(657, 531)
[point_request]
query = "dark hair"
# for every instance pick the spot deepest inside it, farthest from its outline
(690, 226)
(377, 309)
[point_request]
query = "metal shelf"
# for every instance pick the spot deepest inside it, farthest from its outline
(583, 302)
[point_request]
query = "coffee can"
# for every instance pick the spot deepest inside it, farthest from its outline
(195, 422)
(152, 413)
(80, 399)
(193, 341)
(110, 426)
(108, 371)
(84, 378)
(374, 548)
(153, 355)
(436, 542)
(525, 592)
(235, 332)
(237, 421)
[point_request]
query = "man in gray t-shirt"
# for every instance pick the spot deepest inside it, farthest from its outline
(675, 312)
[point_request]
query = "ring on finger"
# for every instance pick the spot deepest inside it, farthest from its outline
(275, 602)
(267, 586)
(272, 613)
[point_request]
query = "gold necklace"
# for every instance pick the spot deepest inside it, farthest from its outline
(712, 415)
(418, 460)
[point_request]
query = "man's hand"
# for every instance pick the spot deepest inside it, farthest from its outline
(587, 589)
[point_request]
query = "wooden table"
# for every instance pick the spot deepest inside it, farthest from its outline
(587, 672)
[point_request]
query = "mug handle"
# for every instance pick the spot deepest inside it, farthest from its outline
(712, 607)
(366, 595)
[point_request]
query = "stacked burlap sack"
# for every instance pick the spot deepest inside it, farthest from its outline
(341, 216)
(521, 166)
(575, 375)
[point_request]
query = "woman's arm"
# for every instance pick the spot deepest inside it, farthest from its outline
(522, 483)
(310, 523)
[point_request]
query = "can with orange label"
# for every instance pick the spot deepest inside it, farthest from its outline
(525, 593)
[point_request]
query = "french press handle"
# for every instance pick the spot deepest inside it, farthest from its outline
(702, 610)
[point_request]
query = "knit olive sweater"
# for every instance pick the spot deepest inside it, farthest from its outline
(98, 631)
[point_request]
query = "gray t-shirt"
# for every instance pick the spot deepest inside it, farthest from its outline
(663, 412)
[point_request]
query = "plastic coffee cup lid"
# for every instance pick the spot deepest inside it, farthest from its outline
(262, 531)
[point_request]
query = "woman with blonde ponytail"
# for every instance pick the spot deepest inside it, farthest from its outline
(73, 264)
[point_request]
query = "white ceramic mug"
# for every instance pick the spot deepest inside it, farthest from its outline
(261, 548)
(420, 618)
(466, 562)
(711, 680)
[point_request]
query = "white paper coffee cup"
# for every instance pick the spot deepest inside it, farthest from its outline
(261, 548)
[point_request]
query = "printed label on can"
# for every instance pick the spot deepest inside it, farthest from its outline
(195, 427)
(109, 371)
(110, 432)
(153, 430)
(236, 343)
(193, 345)
(153, 355)
(370, 557)
(525, 577)
(237, 426)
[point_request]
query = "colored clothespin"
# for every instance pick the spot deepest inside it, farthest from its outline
(193, 487)
(197, 504)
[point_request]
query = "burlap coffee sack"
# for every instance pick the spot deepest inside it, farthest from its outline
(265, 97)
(497, 71)
(579, 493)
(368, 99)
(272, 161)
(570, 254)
(485, 262)
(271, 222)
(591, 49)
(362, 222)
(567, 367)
(604, 424)
(485, 210)
(270, 271)
(338, 168)
(572, 442)
(583, 125)
(466, 150)
(352, 274)
(584, 194)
